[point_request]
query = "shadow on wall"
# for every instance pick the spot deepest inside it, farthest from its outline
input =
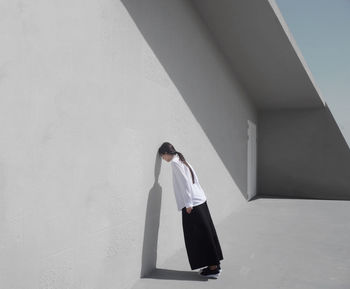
(151, 228)
(302, 153)
(201, 74)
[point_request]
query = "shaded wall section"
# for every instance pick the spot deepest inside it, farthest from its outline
(262, 51)
(302, 153)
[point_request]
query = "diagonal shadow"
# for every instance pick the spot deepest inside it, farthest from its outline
(202, 75)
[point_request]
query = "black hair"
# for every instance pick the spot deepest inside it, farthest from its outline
(168, 148)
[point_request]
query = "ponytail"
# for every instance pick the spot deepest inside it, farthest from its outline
(182, 158)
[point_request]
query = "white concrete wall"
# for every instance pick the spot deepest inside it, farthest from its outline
(87, 95)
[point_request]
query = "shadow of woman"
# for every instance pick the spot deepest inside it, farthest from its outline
(151, 229)
(167, 274)
(150, 237)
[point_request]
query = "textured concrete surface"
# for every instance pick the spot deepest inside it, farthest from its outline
(87, 97)
(272, 244)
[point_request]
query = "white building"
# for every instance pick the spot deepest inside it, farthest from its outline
(88, 92)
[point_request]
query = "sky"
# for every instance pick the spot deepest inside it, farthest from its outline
(321, 29)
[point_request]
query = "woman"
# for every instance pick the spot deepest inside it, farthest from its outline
(202, 244)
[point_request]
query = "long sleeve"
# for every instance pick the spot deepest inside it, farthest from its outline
(186, 187)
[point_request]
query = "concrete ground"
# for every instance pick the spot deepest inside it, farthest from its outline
(272, 244)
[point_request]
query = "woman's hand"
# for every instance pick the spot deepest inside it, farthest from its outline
(188, 210)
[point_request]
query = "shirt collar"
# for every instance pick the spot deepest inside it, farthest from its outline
(175, 158)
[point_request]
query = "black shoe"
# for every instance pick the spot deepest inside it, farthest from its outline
(219, 267)
(206, 272)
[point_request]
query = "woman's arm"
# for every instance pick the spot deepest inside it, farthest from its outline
(185, 182)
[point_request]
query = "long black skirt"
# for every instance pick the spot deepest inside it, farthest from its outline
(202, 243)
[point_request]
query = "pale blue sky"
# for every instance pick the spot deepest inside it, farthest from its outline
(321, 29)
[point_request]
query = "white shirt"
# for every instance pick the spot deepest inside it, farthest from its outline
(187, 193)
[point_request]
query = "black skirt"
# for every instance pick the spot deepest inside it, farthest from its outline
(202, 243)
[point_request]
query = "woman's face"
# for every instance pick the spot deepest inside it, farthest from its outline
(167, 157)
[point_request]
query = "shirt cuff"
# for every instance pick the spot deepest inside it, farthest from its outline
(189, 205)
